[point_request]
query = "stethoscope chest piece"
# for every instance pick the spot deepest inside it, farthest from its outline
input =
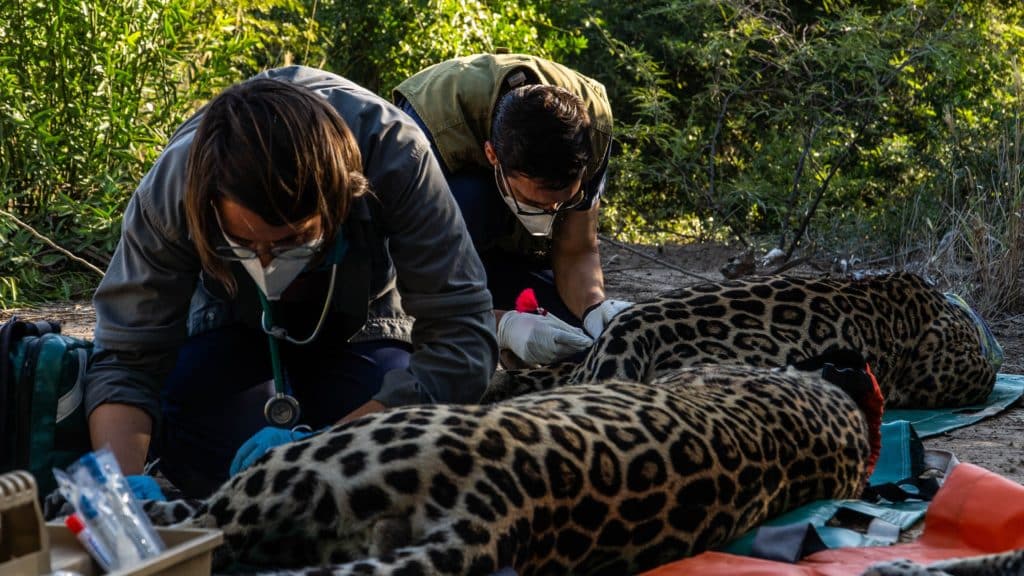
(282, 411)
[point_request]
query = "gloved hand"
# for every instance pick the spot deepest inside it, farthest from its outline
(598, 317)
(145, 487)
(260, 442)
(540, 338)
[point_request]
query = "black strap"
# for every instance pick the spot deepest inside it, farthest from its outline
(786, 543)
(924, 489)
(590, 309)
(40, 327)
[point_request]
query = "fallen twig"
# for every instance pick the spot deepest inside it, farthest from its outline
(1007, 321)
(790, 264)
(51, 243)
(891, 258)
(652, 258)
(624, 269)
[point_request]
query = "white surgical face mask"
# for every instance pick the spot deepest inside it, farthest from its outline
(535, 224)
(275, 278)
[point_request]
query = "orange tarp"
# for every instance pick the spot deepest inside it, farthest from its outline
(975, 512)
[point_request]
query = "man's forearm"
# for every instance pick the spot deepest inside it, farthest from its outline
(576, 261)
(579, 281)
(126, 429)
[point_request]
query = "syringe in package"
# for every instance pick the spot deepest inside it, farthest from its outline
(109, 511)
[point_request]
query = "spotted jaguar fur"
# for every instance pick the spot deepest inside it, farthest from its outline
(589, 479)
(925, 351)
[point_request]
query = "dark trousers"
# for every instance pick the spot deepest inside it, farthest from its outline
(213, 400)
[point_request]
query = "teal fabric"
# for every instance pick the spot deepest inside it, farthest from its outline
(46, 423)
(1008, 388)
(902, 514)
(902, 455)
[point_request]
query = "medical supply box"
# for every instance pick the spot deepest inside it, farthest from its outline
(30, 547)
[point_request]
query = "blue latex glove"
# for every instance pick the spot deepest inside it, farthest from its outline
(260, 442)
(145, 488)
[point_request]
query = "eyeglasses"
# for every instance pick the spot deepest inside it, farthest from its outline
(506, 190)
(237, 251)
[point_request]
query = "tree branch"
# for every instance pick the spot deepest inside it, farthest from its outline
(652, 258)
(791, 203)
(51, 243)
(861, 127)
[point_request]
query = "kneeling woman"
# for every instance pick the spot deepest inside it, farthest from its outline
(271, 264)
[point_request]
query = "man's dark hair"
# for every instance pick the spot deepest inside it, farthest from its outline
(542, 132)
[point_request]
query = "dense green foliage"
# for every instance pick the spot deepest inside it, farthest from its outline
(90, 92)
(379, 43)
(855, 126)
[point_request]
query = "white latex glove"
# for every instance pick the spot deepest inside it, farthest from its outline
(540, 338)
(598, 317)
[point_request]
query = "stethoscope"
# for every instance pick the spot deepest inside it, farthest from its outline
(282, 410)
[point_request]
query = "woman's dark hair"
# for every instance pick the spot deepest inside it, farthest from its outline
(277, 149)
(542, 132)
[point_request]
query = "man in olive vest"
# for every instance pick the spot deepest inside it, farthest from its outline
(524, 144)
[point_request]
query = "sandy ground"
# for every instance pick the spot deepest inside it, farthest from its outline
(995, 443)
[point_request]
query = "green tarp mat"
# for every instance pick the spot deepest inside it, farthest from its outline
(1008, 388)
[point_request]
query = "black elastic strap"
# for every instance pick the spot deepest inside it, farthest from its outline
(5, 359)
(590, 309)
(787, 543)
(10, 330)
(40, 327)
(925, 489)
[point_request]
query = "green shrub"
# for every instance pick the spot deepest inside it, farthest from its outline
(849, 126)
(89, 94)
(763, 117)
(379, 43)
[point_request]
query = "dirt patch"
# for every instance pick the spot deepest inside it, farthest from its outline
(994, 443)
(77, 318)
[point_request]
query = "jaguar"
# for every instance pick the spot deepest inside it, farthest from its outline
(928, 349)
(587, 479)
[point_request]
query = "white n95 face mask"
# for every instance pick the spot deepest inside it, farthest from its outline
(535, 224)
(282, 270)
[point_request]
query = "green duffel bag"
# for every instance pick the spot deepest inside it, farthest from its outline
(42, 410)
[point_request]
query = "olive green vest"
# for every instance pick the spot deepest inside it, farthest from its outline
(456, 100)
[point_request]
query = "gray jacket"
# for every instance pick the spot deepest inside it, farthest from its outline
(409, 255)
